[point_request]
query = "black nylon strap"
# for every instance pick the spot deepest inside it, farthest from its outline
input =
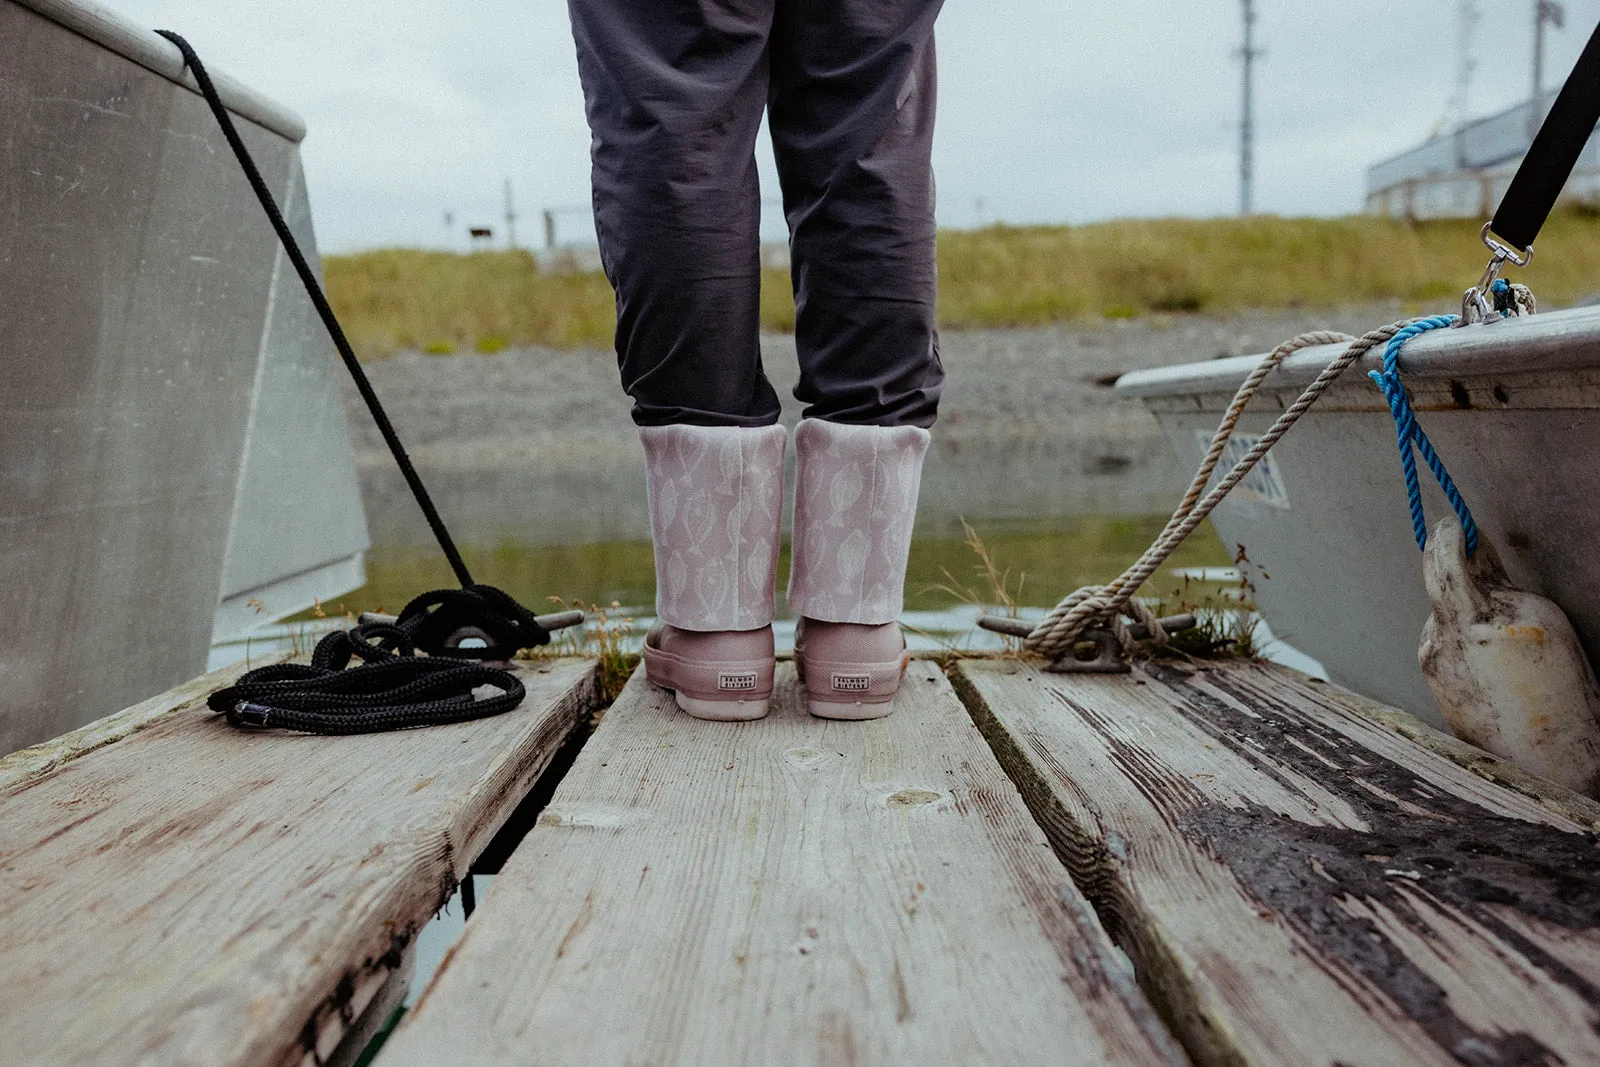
(1553, 154)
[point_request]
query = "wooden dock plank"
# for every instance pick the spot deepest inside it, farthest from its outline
(193, 893)
(789, 890)
(1556, 798)
(1296, 882)
(30, 762)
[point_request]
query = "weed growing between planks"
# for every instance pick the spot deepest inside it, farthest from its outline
(993, 592)
(602, 637)
(1225, 620)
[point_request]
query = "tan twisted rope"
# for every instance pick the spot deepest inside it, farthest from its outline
(1105, 604)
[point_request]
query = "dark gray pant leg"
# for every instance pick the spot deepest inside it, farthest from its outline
(674, 92)
(851, 109)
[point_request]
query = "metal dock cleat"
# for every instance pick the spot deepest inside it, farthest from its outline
(1107, 657)
(556, 620)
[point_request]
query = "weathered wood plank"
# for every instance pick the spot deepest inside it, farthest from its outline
(35, 760)
(365, 1025)
(788, 890)
(1299, 884)
(197, 894)
(1555, 798)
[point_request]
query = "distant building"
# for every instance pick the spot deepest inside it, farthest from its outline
(1465, 173)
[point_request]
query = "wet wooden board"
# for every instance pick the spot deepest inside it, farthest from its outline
(788, 890)
(193, 893)
(1547, 794)
(1298, 883)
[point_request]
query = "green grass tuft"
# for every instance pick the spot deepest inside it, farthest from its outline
(602, 636)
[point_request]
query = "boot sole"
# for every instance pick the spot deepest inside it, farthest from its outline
(857, 712)
(659, 668)
(877, 705)
(723, 710)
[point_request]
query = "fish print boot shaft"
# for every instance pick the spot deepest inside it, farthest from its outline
(716, 495)
(855, 503)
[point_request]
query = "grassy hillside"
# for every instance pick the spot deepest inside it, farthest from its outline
(1000, 276)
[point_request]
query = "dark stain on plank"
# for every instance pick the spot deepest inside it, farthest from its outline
(1425, 846)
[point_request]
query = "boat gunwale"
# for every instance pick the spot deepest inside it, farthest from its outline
(117, 33)
(1566, 340)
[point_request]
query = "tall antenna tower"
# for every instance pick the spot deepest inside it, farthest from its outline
(1544, 11)
(511, 218)
(1247, 121)
(1459, 108)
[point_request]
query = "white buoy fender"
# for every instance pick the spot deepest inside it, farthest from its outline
(1506, 667)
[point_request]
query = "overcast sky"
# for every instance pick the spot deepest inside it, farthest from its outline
(1049, 110)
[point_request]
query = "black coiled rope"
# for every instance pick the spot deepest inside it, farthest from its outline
(393, 688)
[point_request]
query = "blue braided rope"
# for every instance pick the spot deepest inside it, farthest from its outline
(1409, 434)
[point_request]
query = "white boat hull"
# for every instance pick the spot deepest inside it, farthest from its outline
(1514, 410)
(173, 454)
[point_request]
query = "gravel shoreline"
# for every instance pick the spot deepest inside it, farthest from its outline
(1020, 384)
(1029, 425)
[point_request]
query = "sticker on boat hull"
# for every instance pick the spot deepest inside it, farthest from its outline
(1263, 485)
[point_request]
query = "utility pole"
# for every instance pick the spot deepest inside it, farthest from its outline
(1247, 131)
(511, 218)
(1460, 107)
(1543, 11)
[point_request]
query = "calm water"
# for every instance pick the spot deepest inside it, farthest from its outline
(1050, 517)
(947, 583)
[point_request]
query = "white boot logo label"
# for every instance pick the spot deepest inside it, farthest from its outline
(852, 683)
(736, 680)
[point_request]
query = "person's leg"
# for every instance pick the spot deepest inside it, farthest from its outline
(674, 91)
(851, 108)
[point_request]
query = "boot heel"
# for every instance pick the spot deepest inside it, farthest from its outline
(883, 682)
(856, 712)
(850, 671)
(724, 710)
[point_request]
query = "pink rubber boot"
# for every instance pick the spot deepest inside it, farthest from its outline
(716, 493)
(854, 503)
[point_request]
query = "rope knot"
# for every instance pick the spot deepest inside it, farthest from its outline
(1089, 607)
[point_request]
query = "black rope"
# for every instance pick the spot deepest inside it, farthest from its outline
(434, 622)
(393, 687)
(320, 301)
